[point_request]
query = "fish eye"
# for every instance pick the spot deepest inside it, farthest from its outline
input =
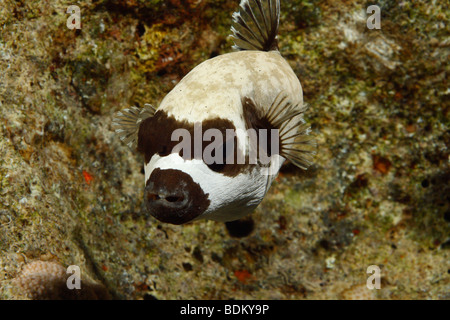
(163, 151)
(216, 167)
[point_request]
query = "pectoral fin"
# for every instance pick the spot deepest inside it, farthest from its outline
(295, 142)
(126, 123)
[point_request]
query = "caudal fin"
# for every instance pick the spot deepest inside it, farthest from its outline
(255, 26)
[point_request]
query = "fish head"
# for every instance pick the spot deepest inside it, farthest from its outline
(200, 170)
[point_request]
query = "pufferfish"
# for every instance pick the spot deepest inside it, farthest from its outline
(249, 92)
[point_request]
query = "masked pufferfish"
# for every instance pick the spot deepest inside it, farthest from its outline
(251, 88)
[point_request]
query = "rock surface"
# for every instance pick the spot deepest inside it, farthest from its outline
(378, 194)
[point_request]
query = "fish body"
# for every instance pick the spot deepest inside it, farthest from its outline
(219, 137)
(214, 88)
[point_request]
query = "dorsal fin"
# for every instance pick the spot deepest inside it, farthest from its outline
(255, 26)
(126, 123)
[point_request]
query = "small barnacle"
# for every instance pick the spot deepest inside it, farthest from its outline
(47, 280)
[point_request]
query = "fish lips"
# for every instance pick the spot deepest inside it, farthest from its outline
(172, 196)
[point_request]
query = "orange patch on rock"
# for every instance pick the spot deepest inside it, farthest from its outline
(87, 177)
(381, 164)
(242, 275)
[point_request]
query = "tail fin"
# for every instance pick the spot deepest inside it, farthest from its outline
(255, 26)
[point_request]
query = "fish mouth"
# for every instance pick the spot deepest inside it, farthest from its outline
(171, 196)
(174, 200)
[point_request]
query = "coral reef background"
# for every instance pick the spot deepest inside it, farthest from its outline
(378, 194)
